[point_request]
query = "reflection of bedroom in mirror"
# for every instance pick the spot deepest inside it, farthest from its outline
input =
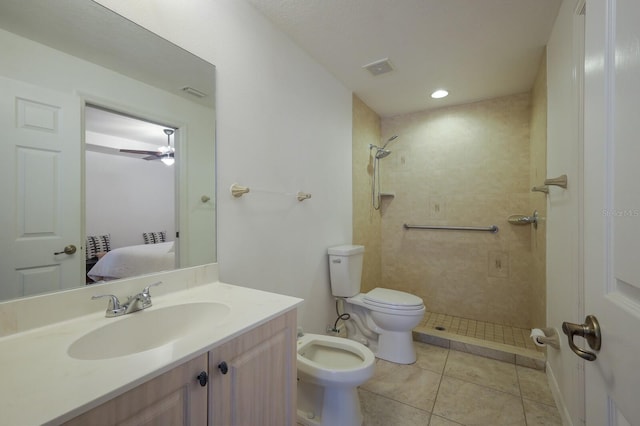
(130, 203)
(53, 65)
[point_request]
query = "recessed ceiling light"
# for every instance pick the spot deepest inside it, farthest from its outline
(440, 93)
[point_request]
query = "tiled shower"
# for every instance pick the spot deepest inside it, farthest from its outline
(465, 165)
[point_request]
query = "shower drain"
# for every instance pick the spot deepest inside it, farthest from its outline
(440, 328)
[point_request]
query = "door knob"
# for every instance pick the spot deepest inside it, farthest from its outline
(590, 330)
(70, 249)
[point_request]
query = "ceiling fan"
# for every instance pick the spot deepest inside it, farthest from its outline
(164, 153)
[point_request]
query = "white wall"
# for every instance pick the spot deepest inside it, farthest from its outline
(128, 196)
(283, 125)
(563, 213)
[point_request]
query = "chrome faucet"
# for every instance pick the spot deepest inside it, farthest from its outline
(134, 303)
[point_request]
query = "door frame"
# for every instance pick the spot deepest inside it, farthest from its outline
(180, 156)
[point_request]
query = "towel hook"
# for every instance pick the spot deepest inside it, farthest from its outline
(238, 190)
(303, 196)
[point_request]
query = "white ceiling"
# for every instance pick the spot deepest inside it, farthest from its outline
(476, 49)
(92, 32)
(122, 132)
(110, 123)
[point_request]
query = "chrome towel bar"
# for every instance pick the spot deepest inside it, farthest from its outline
(492, 228)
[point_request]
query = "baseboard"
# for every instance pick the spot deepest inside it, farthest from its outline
(557, 396)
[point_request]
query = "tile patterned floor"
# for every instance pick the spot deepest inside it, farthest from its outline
(446, 387)
(443, 325)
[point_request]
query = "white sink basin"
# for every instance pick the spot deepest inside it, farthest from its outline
(147, 329)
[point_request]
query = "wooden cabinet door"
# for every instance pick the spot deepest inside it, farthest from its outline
(174, 398)
(256, 385)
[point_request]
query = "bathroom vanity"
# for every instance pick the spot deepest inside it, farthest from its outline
(211, 353)
(241, 382)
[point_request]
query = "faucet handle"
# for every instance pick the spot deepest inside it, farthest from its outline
(146, 289)
(114, 308)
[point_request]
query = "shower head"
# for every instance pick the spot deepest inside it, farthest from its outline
(381, 153)
(391, 139)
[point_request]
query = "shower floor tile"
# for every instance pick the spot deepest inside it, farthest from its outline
(464, 331)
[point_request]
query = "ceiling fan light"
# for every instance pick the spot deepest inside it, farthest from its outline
(168, 160)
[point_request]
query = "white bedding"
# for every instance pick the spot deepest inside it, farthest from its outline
(131, 261)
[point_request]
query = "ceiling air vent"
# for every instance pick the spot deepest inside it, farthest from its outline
(382, 66)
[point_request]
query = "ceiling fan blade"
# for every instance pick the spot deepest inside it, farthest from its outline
(158, 156)
(141, 152)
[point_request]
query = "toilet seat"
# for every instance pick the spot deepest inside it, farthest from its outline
(389, 301)
(392, 299)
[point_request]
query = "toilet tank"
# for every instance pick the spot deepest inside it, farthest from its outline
(345, 269)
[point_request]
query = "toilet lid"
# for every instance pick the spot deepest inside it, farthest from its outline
(388, 298)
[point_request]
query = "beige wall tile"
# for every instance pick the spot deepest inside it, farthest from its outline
(469, 165)
(366, 220)
(538, 200)
(473, 162)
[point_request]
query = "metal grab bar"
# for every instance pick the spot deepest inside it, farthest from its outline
(492, 228)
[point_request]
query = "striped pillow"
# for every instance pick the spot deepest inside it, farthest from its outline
(97, 244)
(154, 237)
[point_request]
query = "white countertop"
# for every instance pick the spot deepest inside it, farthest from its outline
(42, 384)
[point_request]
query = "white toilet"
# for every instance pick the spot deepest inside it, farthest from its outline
(329, 371)
(382, 319)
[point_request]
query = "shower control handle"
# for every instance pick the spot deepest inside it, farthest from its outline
(590, 330)
(520, 219)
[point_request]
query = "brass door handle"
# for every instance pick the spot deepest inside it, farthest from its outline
(590, 330)
(70, 249)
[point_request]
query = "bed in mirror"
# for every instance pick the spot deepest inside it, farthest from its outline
(109, 135)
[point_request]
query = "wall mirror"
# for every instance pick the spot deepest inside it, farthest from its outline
(80, 86)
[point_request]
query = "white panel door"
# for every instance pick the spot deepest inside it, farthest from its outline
(612, 208)
(40, 191)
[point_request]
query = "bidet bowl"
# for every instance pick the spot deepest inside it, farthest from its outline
(333, 361)
(147, 329)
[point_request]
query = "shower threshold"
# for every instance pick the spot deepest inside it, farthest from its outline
(505, 343)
